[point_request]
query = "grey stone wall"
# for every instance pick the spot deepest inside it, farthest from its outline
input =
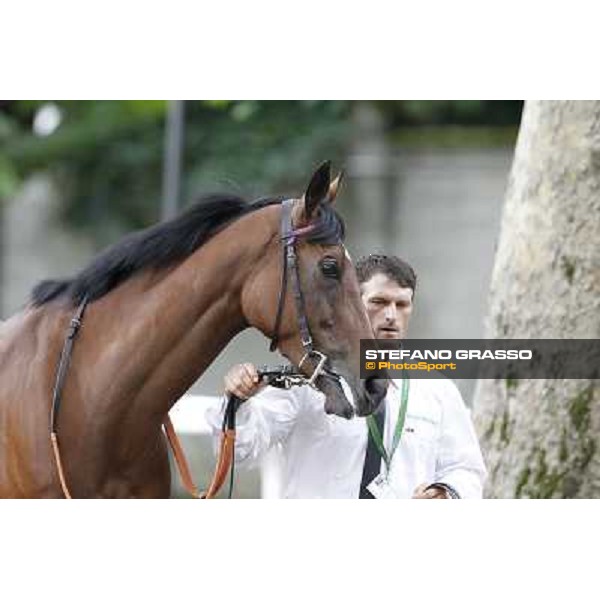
(35, 245)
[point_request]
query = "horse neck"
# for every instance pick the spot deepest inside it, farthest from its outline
(177, 323)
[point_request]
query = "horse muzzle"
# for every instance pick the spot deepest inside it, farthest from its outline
(359, 400)
(373, 392)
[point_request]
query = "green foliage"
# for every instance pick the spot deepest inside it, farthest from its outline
(454, 112)
(107, 156)
(8, 178)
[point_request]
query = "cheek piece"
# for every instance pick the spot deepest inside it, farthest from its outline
(289, 236)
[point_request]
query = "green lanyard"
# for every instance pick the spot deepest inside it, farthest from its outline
(377, 435)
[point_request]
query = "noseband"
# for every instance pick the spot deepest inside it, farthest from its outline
(289, 237)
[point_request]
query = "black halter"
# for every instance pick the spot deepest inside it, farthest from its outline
(289, 236)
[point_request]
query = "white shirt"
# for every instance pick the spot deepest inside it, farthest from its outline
(322, 456)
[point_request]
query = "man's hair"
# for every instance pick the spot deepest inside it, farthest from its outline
(390, 266)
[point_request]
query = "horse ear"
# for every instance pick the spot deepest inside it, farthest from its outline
(317, 189)
(334, 187)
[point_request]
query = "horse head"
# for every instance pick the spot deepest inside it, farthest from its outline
(305, 296)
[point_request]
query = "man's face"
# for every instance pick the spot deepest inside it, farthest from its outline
(388, 305)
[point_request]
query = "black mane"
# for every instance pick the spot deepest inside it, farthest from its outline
(164, 244)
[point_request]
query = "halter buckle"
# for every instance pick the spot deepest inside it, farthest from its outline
(318, 369)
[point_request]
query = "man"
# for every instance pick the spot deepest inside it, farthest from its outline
(324, 456)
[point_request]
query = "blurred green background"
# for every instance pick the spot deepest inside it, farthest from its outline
(106, 157)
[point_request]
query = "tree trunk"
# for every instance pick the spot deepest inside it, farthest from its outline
(539, 437)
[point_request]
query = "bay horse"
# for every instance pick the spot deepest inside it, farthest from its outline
(161, 304)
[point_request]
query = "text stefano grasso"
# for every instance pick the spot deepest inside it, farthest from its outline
(499, 354)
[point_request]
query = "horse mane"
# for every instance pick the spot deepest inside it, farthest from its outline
(164, 244)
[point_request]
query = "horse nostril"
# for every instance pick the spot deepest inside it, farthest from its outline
(326, 324)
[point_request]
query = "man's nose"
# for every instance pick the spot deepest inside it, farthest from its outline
(391, 312)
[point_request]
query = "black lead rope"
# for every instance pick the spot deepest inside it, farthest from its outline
(233, 403)
(284, 377)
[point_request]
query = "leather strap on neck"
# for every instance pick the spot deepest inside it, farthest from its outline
(65, 359)
(59, 383)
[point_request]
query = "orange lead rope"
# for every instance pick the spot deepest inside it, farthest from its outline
(224, 462)
(225, 459)
(180, 460)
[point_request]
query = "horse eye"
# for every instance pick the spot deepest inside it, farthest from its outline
(329, 268)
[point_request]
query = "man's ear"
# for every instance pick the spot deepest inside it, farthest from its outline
(317, 190)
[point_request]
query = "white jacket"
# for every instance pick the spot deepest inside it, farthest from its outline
(322, 456)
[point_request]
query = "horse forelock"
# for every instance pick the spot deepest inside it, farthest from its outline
(328, 229)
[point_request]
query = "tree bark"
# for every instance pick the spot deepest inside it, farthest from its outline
(540, 437)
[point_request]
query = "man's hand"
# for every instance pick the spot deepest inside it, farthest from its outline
(430, 494)
(242, 381)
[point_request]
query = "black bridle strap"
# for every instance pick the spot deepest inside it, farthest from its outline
(63, 365)
(65, 359)
(289, 237)
(292, 262)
